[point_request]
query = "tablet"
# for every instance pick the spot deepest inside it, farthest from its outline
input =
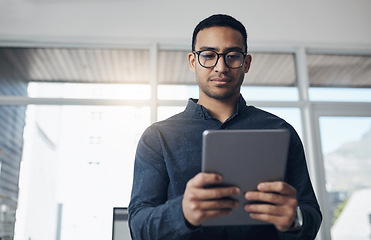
(244, 158)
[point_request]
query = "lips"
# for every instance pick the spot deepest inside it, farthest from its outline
(220, 80)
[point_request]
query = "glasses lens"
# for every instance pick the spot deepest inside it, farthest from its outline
(207, 58)
(234, 59)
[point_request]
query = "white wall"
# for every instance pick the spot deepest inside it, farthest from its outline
(319, 22)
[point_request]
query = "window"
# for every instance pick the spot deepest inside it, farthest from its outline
(87, 109)
(89, 91)
(291, 115)
(177, 92)
(166, 112)
(81, 158)
(339, 77)
(340, 94)
(87, 174)
(270, 93)
(347, 165)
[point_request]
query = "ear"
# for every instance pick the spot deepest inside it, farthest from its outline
(192, 61)
(247, 63)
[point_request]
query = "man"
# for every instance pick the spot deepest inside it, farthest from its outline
(169, 200)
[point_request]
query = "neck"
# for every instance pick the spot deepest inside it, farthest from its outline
(220, 109)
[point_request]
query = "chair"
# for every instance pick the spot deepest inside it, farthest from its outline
(120, 227)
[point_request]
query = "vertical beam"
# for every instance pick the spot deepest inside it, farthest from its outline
(59, 221)
(312, 142)
(320, 177)
(306, 108)
(154, 81)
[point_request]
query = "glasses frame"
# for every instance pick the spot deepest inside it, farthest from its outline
(219, 55)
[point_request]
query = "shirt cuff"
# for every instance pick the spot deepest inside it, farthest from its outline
(183, 227)
(298, 222)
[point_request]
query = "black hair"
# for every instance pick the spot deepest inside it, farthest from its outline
(220, 20)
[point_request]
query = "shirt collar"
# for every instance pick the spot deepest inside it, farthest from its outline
(199, 111)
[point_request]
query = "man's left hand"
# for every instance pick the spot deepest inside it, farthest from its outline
(278, 207)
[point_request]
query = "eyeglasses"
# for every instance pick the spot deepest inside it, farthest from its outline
(209, 58)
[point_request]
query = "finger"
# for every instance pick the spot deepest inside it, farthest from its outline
(278, 187)
(213, 193)
(272, 198)
(269, 209)
(197, 212)
(218, 204)
(202, 179)
(202, 216)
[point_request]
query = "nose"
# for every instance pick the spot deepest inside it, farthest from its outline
(220, 64)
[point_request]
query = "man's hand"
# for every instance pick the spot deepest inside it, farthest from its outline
(279, 207)
(200, 204)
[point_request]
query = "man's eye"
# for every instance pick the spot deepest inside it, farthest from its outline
(208, 55)
(233, 56)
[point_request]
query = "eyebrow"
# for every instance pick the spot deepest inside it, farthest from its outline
(226, 50)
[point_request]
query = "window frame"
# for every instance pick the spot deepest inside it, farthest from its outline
(310, 111)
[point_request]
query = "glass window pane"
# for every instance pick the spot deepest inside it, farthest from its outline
(177, 92)
(11, 144)
(340, 94)
(347, 161)
(350, 71)
(80, 157)
(272, 69)
(339, 77)
(267, 69)
(291, 115)
(270, 93)
(76, 65)
(173, 68)
(89, 91)
(184, 92)
(166, 112)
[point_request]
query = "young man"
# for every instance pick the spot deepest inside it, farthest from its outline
(169, 200)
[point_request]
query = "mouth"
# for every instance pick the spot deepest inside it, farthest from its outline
(220, 81)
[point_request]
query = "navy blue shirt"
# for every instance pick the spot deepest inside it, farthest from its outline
(169, 155)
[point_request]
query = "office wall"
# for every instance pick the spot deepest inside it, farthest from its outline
(329, 22)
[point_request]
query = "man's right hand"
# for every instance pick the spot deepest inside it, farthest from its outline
(200, 204)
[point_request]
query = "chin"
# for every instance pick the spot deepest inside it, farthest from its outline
(221, 96)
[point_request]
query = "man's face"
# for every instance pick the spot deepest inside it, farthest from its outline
(219, 82)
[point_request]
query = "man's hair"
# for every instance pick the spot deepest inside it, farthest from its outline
(220, 20)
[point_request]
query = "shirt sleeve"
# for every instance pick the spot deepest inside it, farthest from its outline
(297, 176)
(151, 214)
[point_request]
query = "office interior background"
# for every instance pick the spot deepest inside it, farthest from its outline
(81, 80)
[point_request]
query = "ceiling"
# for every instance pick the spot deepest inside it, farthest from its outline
(95, 65)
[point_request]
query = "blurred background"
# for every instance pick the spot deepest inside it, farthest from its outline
(80, 80)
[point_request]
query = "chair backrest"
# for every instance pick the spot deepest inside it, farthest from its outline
(120, 227)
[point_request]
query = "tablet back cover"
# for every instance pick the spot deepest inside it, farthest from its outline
(244, 158)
